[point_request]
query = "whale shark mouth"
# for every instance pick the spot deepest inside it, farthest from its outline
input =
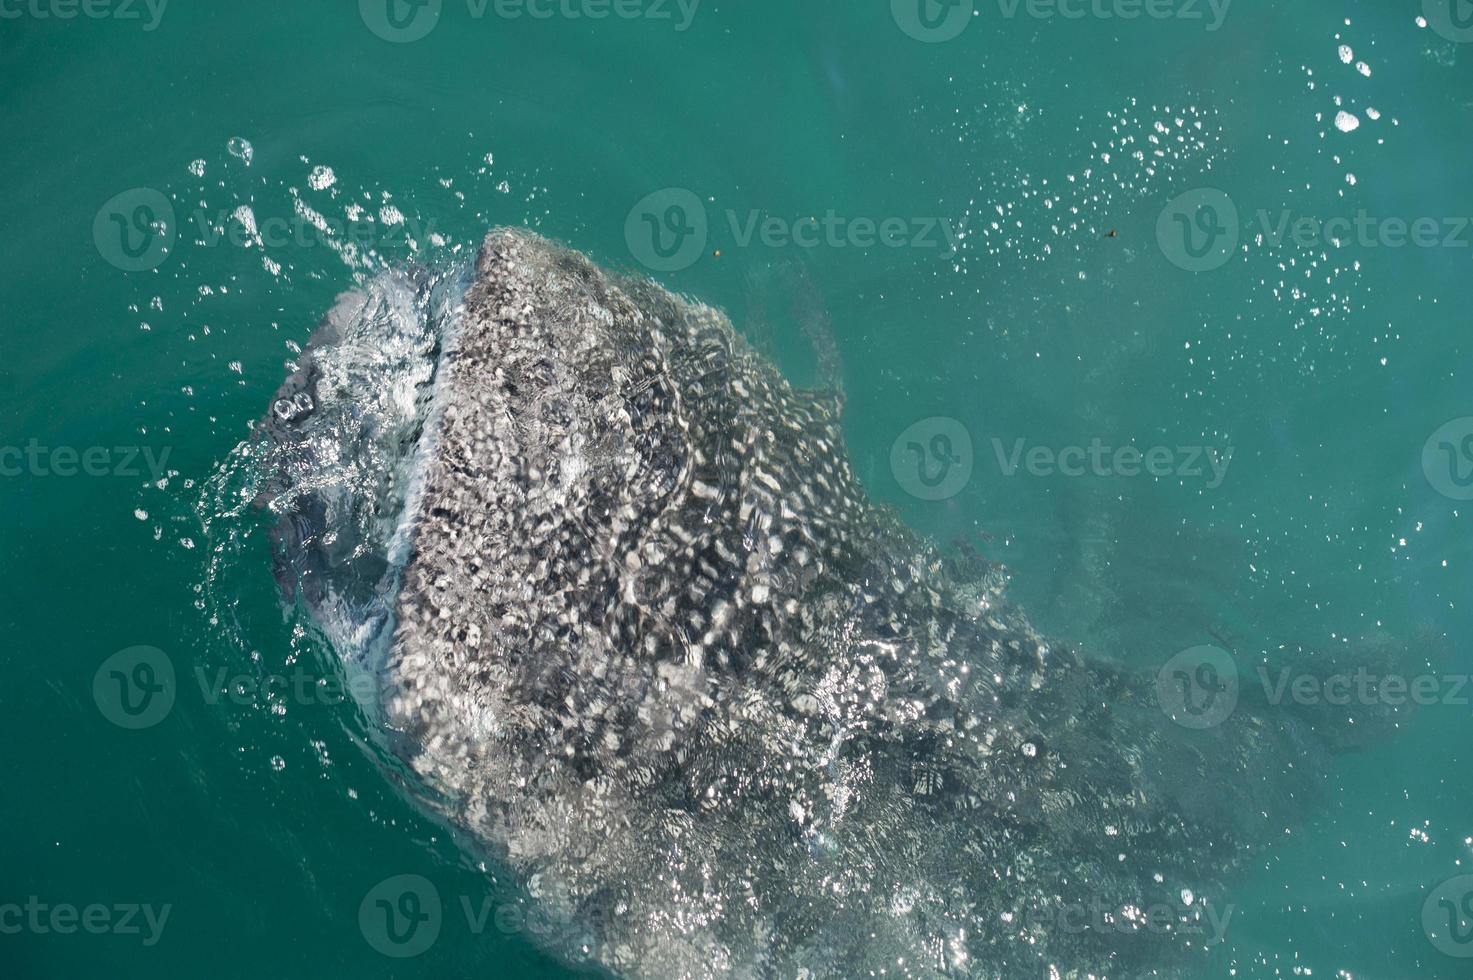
(344, 441)
(640, 632)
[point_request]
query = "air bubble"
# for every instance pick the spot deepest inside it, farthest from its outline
(241, 148)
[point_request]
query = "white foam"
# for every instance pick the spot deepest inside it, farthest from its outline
(321, 178)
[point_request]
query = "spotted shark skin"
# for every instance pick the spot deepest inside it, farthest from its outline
(654, 648)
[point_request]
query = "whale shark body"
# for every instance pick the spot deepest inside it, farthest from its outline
(639, 631)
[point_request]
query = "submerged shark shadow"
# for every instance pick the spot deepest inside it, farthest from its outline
(782, 289)
(641, 634)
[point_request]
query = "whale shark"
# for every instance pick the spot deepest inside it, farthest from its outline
(639, 632)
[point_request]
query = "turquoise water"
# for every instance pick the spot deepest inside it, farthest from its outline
(1113, 186)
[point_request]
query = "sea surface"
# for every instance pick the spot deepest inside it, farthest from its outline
(1163, 306)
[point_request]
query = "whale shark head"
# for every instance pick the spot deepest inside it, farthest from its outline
(641, 634)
